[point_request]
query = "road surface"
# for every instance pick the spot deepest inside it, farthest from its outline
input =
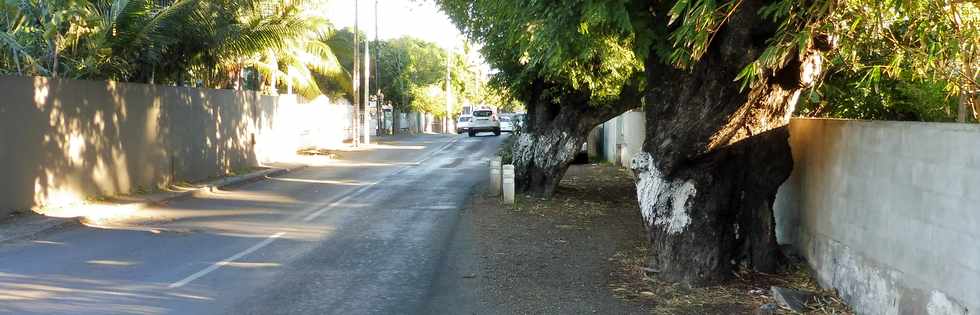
(367, 234)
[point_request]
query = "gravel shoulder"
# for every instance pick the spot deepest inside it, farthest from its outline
(543, 256)
(585, 251)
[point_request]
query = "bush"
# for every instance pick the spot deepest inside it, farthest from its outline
(506, 151)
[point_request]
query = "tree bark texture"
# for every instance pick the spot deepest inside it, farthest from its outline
(555, 133)
(715, 155)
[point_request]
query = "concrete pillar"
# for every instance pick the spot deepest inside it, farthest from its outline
(495, 176)
(508, 184)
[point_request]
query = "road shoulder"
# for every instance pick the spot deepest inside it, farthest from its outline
(28, 225)
(550, 257)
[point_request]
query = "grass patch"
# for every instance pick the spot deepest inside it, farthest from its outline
(506, 151)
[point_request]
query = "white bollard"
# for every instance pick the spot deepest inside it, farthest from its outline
(508, 183)
(495, 176)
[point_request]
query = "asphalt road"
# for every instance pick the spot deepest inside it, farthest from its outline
(368, 234)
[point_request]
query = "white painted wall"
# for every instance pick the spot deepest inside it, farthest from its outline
(887, 212)
(298, 124)
(623, 137)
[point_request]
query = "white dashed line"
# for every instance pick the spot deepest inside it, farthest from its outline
(231, 259)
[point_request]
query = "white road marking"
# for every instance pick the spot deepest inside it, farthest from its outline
(229, 260)
(338, 202)
(273, 237)
(319, 212)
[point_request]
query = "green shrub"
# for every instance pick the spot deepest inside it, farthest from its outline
(506, 150)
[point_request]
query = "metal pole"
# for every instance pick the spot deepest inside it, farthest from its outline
(449, 104)
(379, 112)
(367, 91)
(356, 110)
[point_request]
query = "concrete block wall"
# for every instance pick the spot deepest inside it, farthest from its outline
(887, 212)
(623, 137)
(63, 140)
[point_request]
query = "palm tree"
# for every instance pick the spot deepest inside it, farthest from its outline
(210, 43)
(294, 63)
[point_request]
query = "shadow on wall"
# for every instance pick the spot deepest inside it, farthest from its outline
(65, 139)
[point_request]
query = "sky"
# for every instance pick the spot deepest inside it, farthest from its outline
(396, 18)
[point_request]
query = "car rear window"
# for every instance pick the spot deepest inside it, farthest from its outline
(482, 113)
(464, 119)
(504, 118)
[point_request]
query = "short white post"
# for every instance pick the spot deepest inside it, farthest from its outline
(495, 176)
(508, 183)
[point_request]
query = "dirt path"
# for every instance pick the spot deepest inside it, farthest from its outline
(584, 251)
(544, 257)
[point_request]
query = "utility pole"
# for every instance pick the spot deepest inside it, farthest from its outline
(449, 96)
(356, 109)
(378, 97)
(367, 91)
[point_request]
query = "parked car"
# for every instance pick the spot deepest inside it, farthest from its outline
(484, 120)
(463, 124)
(506, 125)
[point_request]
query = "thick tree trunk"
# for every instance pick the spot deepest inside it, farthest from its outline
(554, 135)
(715, 155)
(961, 109)
(396, 123)
(540, 159)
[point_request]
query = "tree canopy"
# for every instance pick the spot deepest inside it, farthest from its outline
(598, 46)
(413, 76)
(909, 62)
(209, 43)
(595, 47)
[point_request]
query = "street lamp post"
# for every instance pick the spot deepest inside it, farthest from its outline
(355, 110)
(449, 96)
(378, 97)
(367, 92)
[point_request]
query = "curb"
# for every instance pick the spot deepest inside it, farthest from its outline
(242, 179)
(221, 183)
(45, 224)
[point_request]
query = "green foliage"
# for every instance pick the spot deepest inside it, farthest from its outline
(506, 149)
(591, 47)
(193, 42)
(845, 96)
(412, 75)
(895, 51)
(339, 84)
(501, 98)
(429, 98)
(905, 60)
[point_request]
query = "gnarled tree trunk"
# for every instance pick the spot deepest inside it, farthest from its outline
(541, 158)
(714, 155)
(555, 133)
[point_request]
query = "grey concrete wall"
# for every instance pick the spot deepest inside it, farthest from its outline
(64, 139)
(611, 140)
(623, 137)
(634, 133)
(887, 212)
